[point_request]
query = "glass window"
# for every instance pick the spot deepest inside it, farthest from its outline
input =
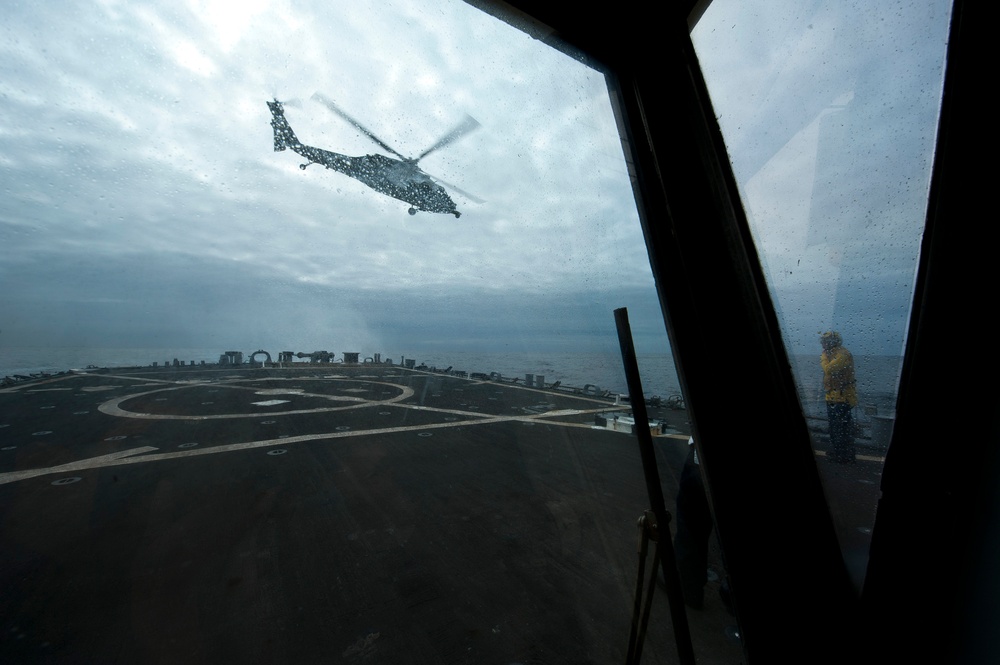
(302, 424)
(829, 113)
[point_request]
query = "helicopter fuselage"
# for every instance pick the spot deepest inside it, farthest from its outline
(400, 179)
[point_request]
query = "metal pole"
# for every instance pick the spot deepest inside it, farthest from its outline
(678, 614)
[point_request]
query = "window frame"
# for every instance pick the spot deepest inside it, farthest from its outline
(774, 524)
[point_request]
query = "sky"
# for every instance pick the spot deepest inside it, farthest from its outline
(829, 110)
(143, 204)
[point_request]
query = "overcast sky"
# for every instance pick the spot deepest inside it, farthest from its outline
(143, 204)
(830, 111)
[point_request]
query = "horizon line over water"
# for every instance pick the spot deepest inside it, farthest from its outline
(878, 376)
(573, 369)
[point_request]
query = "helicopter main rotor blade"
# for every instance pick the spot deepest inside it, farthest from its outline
(336, 109)
(463, 128)
(471, 197)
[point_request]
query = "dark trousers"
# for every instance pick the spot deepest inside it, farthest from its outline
(841, 431)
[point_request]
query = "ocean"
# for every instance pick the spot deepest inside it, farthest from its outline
(877, 375)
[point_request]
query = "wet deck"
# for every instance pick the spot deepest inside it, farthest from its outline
(323, 514)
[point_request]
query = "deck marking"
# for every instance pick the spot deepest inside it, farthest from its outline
(81, 465)
(33, 384)
(112, 407)
(137, 455)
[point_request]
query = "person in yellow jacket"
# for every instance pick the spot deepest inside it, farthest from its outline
(839, 385)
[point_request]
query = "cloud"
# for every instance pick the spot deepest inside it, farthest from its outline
(143, 200)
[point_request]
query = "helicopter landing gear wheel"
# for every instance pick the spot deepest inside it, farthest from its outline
(412, 211)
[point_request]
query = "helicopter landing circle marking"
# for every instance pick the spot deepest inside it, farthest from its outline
(113, 406)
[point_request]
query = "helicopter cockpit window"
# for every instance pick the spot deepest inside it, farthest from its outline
(829, 115)
(336, 282)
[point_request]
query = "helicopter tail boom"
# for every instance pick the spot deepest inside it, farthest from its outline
(284, 137)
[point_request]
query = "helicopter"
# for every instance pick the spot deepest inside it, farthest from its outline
(399, 178)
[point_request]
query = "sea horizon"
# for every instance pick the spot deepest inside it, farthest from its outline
(877, 375)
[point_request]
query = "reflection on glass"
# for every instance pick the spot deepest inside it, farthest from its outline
(328, 504)
(829, 114)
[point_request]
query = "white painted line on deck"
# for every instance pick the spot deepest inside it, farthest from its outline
(130, 456)
(113, 408)
(91, 463)
(138, 455)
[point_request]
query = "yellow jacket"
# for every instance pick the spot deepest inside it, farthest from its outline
(838, 376)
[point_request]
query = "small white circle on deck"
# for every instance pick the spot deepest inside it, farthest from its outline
(188, 445)
(42, 433)
(279, 451)
(115, 438)
(67, 481)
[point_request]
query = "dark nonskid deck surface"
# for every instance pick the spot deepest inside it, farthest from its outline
(322, 514)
